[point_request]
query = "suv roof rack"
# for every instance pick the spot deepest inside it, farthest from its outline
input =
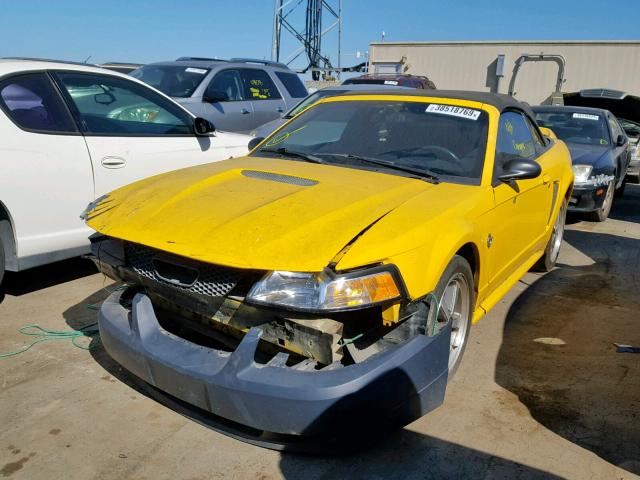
(200, 59)
(257, 60)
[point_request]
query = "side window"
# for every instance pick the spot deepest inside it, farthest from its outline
(258, 85)
(538, 141)
(33, 103)
(514, 137)
(615, 129)
(293, 84)
(115, 106)
(229, 83)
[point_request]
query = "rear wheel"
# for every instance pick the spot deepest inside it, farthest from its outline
(456, 295)
(551, 252)
(601, 214)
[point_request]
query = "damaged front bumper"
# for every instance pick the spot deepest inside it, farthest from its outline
(587, 199)
(391, 388)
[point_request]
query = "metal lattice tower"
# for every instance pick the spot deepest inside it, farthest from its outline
(308, 40)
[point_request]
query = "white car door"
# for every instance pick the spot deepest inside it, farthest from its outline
(133, 132)
(46, 178)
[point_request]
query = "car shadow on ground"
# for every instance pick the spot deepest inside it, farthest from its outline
(20, 283)
(558, 355)
(627, 208)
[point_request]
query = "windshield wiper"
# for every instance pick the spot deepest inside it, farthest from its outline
(291, 153)
(425, 174)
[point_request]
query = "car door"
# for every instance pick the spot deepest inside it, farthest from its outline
(46, 177)
(265, 97)
(621, 153)
(131, 131)
(225, 103)
(522, 208)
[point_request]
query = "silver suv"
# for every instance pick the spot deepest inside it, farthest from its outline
(236, 95)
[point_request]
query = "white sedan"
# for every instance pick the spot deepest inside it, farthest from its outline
(72, 132)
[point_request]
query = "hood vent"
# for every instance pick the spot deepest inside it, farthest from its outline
(277, 177)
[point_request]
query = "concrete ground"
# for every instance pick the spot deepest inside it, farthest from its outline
(541, 392)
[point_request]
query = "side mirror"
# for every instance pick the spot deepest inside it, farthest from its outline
(620, 141)
(214, 96)
(254, 142)
(202, 126)
(519, 169)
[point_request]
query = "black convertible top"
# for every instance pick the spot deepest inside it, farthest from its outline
(500, 101)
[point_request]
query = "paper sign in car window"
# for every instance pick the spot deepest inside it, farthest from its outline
(199, 71)
(391, 82)
(454, 111)
(586, 116)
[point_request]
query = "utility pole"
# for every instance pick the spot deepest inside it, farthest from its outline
(307, 33)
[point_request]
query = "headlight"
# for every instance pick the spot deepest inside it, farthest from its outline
(581, 173)
(325, 290)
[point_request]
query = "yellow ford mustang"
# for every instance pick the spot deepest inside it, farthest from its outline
(330, 278)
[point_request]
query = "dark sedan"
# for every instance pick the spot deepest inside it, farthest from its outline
(599, 151)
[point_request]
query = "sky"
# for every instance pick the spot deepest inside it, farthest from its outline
(147, 31)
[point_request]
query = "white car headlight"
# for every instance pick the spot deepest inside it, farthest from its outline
(581, 173)
(325, 290)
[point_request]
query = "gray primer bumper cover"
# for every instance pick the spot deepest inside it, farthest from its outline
(395, 387)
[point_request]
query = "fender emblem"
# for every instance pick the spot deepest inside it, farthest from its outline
(489, 241)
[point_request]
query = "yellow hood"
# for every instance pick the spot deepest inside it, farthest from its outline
(253, 212)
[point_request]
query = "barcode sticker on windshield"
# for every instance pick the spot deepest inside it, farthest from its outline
(468, 113)
(586, 116)
(391, 82)
(200, 71)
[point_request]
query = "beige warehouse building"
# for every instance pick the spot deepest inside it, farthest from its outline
(477, 65)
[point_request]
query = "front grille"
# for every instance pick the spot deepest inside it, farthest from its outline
(210, 280)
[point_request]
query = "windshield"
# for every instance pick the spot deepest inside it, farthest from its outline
(310, 100)
(440, 139)
(576, 127)
(172, 80)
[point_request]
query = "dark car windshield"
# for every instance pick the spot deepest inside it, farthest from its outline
(445, 140)
(576, 127)
(632, 129)
(172, 80)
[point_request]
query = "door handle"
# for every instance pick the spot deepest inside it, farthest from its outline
(113, 162)
(546, 178)
(244, 111)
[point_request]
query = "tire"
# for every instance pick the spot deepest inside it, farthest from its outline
(620, 190)
(552, 250)
(2, 260)
(459, 272)
(601, 214)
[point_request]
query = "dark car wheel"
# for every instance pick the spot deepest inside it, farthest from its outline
(456, 295)
(601, 214)
(551, 252)
(620, 189)
(1, 262)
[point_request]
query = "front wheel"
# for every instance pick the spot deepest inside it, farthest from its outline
(601, 214)
(551, 252)
(456, 297)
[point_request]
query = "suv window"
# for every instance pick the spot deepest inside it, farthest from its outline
(172, 80)
(293, 84)
(32, 102)
(258, 85)
(230, 83)
(115, 106)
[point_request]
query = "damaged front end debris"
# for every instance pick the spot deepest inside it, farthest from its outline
(189, 329)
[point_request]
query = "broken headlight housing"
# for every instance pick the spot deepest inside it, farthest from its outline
(326, 290)
(581, 173)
